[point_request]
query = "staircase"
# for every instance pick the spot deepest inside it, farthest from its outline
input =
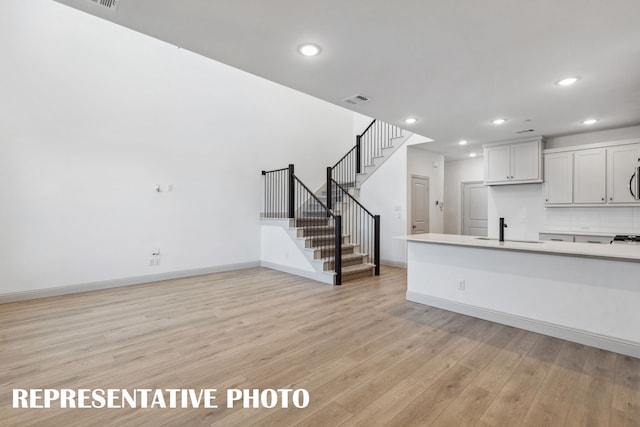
(319, 241)
(337, 235)
(373, 147)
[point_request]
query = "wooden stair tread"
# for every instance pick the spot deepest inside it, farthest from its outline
(324, 236)
(344, 245)
(349, 256)
(344, 257)
(358, 268)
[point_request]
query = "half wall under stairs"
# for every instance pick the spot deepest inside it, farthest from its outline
(304, 246)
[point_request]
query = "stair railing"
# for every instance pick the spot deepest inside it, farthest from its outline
(286, 196)
(276, 196)
(358, 222)
(369, 144)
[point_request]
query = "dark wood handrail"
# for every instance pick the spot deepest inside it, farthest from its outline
(368, 127)
(352, 198)
(275, 170)
(328, 211)
(345, 156)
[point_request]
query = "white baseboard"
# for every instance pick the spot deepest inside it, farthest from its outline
(313, 275)
(570, 334)
(390, 263)
(115, 283)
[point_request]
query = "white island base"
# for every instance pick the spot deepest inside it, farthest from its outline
(566, 290)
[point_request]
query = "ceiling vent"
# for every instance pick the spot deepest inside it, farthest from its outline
(356, 99)
(109, 4)
(525, 131)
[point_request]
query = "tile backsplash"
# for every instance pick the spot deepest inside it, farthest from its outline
(615, 220)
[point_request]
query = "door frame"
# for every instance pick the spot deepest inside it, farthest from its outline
(462, 184)
(410, 204)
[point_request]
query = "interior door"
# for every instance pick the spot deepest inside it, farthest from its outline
(474, 209)
(419, 205)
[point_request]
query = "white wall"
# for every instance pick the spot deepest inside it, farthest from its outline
(278, 247)
(521, 207)
(431, 165)
(360, 123)
(385, 193)
(456, 173)
(93, 116)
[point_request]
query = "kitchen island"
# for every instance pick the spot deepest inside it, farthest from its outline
(581, 292)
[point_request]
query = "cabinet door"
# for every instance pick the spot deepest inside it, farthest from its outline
(589, 176)
(525, 161)
(556, 237)
(497, 164)
(621, 164)
(602, 240)
(558, 178)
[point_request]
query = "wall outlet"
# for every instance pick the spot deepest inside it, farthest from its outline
(155, 257)
(461, 285)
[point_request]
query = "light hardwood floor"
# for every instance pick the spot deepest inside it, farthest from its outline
(366, 356)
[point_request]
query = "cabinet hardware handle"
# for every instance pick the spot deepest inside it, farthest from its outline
(546, 200)
(592, 241)
(557, 240)
(610, 198)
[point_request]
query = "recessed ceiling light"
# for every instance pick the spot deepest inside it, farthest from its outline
(410, 120)
(472, 154)
(309, 49)
(567, 82)
(463, 142)
(498, 121)
(590, 121)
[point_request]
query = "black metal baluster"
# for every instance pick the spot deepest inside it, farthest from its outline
(376, 249)
(329, 192)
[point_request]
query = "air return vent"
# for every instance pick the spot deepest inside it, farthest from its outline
(356, 99)
(109, 4)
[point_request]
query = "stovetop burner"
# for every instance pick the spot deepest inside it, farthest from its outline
(629, 239)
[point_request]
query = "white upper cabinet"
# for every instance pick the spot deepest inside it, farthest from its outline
(497, 163)
(592, 175)
(513, 163)
(589, 176)
(525, 161)
(558, 178)
(621, 165)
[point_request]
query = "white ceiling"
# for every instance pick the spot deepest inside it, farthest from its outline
(455, 65)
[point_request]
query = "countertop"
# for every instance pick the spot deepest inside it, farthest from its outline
(619, 252)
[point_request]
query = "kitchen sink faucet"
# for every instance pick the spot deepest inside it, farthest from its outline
(501, 228)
